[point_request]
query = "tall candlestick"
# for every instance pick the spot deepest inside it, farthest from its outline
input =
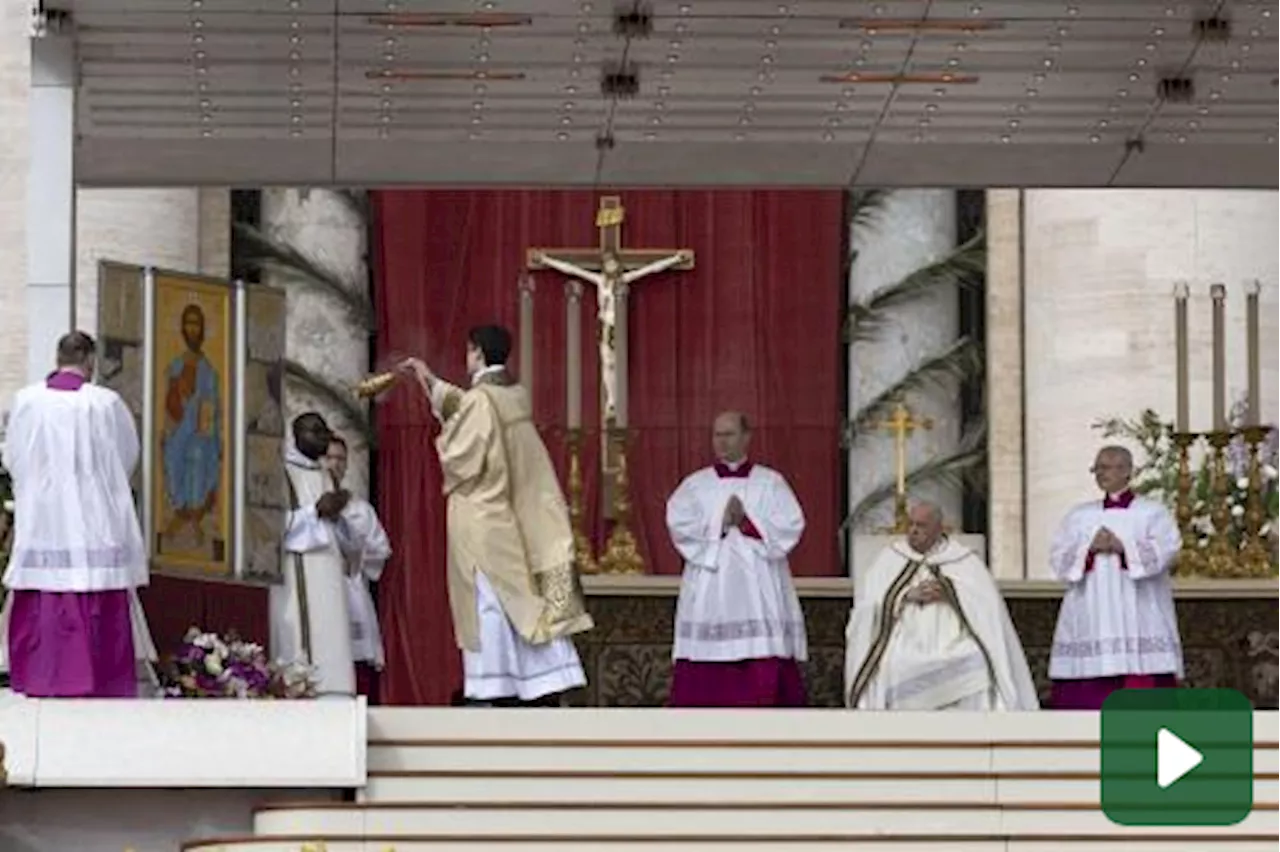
(573, 353)
(526, 332)
(620, 357)
(1218, 293)
(1181, 293)
(1254, 375)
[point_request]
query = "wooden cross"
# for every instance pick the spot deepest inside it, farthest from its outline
(611, 269)
(902, 424)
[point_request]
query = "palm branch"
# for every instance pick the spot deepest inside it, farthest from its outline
(339, 398)
(960, 362)
(963, 267)
(961, 467)
(865, 206)
(261, 249)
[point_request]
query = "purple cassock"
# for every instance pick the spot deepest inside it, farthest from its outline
(71, 644)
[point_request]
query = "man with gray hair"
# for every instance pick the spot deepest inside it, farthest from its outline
(1117, 628)
(930, 630)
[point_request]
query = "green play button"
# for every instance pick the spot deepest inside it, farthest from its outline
(1177, 757)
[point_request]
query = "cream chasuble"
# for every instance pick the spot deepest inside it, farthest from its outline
(309, 618)
(961, 652)
(513, 590)
(1117, 615)
(737, 599)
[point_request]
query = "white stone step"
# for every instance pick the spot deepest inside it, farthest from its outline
(310, 843)
(700, 821)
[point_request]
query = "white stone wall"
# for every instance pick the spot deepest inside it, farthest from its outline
(15, 76)
(321, 335)
(1100, 269)
(915, 228)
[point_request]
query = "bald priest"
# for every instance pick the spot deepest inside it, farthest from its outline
(930, 630)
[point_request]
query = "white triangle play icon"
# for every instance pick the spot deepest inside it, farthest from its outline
(1174, 758)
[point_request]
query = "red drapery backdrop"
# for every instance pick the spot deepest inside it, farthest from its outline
(755, 326)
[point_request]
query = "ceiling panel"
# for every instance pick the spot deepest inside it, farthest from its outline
(907, 92)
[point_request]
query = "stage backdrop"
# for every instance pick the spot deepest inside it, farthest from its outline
(755, 326)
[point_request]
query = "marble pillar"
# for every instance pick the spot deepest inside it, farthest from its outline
(1099, 275)
(51, 200)
(1006, 516)
(321, 335)
(915, 227)
(15, 75)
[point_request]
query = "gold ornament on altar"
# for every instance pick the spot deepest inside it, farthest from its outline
(621, 555)
(1221, 509)
(583, 558)
(374, 385)
(902, 423)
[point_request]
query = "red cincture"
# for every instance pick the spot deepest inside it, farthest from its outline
(749, 530)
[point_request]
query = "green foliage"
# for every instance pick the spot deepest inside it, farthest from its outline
(960, 362)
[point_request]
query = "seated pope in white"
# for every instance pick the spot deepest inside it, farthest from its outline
(931, 631)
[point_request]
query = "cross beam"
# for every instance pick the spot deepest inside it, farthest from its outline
(609, 217)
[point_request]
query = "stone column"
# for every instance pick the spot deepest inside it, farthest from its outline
(15, 74)
(214, 206)
(321, 335)
(1005, 497)
(1100, 269)
(51, 200)
(914, 228)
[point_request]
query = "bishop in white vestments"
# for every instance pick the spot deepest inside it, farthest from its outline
(74, 626)
(1117, 628)
(309, 618)
(366, 548)
(513, 591)
(931, 630)
(740, 633)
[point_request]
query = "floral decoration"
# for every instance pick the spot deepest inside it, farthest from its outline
(1156, 471)
(210, 666)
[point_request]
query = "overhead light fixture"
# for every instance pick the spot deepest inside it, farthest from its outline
(452, 19)
(899, 79)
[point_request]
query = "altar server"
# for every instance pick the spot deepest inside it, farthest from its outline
(75, 627)
(309, 618)
(366, 548)
(1117, 628)
(740, 633)
(931, 631)
(513, 591)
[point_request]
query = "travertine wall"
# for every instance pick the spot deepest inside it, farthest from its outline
(1006, 513)
(1099, 275)
(15, 75)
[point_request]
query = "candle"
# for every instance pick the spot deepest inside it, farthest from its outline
(1254, 376)
(1218, 293)
(573, 353)
(1181, 293)
(526, 332)
(620, 357)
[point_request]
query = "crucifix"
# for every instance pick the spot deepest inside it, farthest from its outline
(611, 269)
(901, 424)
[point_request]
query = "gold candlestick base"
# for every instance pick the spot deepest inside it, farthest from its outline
(1257, 557)
(1221, 556)
(1191, 560)
(583, 558)
(622, 555)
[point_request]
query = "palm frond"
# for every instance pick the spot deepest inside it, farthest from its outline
(960, 362)
(963, 267)
(261, 249)
(355, 200)
(961, 467)
(865, 206)
(339, 398)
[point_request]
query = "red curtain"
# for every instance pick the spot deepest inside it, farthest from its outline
(754, 327)
(174, 605)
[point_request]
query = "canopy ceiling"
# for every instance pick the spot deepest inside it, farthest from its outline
(730, 92)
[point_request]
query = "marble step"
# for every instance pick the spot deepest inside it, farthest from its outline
(698, 820)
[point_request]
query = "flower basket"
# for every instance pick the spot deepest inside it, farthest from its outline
(210, 666)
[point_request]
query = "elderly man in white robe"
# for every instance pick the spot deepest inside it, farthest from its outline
(309, 619)
(366, 548)
(73, 625)
(1117, 628)
(931, 630)
(740, 633)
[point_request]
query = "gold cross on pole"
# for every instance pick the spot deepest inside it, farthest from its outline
(902, 423)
